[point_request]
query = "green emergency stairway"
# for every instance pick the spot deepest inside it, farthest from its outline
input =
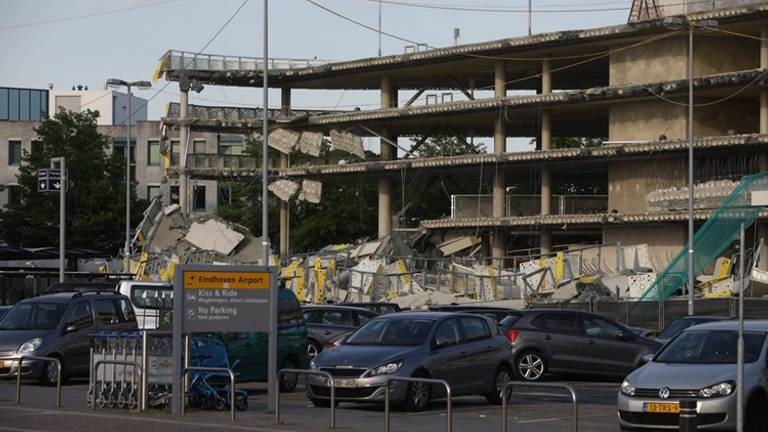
(712, 239)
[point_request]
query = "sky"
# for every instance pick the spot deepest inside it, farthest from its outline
(40, 44)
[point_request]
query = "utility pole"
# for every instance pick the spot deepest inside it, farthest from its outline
(62, 212)
(530, 17)
(379, 28)
(691, 275)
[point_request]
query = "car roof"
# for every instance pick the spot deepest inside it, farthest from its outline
(337, 306)
(66, 297)
(466, 307)
(433, 315)
(709, 317)
(754, 325)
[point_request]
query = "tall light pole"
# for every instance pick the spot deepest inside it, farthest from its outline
(379, 28)
(141, 85)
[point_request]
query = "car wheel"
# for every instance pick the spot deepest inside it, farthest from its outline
(49, 374)
(502, 377)
(313, 349)
(757, 417)
(288, 380)
(418, 394)
(530, 366)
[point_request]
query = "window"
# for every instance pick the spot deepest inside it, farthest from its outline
(337, 318)
(118, 151)
(126, 311)
(4, 108)
(152, 296)
(80, 316)
(174, 194)
(311, 316)
(600, 328)
(14, 194)
(13, 104)
(198, 198)
(106, 313)
(36, 147)
(447, 334)
(198, 146)
(14, 152)
(364, 318)
(474, 329)
(558, 322)
(711, 346)
(153, 153)
(23, 104)
(392, 331)
(175, 153)
(230, 145)
(224, 197)
(152, 191)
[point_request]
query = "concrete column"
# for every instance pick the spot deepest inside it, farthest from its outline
(388, 152)
(285, 162)
(183, 141)
(546, 144)
(499, 146)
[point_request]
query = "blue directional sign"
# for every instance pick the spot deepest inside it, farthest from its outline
(49, 180)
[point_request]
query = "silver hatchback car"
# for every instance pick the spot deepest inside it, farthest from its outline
(700, 364)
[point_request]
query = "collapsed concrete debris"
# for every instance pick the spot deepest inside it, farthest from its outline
(284, 189)
(348, 142)
(707, 195)
(165, 238)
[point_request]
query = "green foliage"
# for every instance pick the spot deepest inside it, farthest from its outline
(445, 145)
(96, 196)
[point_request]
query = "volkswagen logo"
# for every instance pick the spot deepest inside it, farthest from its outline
(664, 393)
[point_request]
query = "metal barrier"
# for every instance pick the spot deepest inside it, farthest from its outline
(507, 389)
(115, 363)
(449, 412)
(232, 393)
(21, 359)
(307, 372)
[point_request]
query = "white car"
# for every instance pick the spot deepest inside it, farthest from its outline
(150, 300)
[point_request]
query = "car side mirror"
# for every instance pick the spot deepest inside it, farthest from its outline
(70, 328)
(624, 337)
(440, 343)
(647, 358)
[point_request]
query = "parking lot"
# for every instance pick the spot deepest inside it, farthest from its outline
(530, 410)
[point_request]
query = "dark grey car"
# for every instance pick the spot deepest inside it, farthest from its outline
(58, 325)
(326, 322)
(677, 326)
(467, 351)
(570, 342)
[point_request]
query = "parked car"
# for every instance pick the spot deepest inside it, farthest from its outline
(572, 342)
(467, 351)
(700, 364)
(58, 287)
(378, 308)
(644, 332)
(495, 313)
(677, 326)
(4, 310)
(327, 322)
(153, 302)
(59, 325)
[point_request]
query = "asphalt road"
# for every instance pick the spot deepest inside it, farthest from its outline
(539, 410)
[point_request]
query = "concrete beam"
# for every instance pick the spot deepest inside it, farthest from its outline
(499, 147)
(285, 163)
(388, 152)
(546, 144)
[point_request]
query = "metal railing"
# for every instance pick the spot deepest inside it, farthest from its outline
(136, 367)
(21, 359)
(507, 390)
(186, 60)
(448, 411)
(307, 372)
(472, 206)
(232, 393)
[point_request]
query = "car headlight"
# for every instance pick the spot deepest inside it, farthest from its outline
(627, 389)
(312, 365)
(718, 390)
(30, 346)
(385, 369)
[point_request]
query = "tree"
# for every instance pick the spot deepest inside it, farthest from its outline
(96, 195)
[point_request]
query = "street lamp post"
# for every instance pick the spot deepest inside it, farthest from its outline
(141, 85)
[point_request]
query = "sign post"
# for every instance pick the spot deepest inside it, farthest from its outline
(220, 299)
(55, 180)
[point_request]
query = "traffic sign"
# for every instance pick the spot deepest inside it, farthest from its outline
(49, 180)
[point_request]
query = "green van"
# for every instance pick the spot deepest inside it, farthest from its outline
(153, 304)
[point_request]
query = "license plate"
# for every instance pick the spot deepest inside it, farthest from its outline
(671, 408)
(344, 382)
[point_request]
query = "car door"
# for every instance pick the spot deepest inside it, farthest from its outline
(610, 348)
(445, 361)
(479, 354)
(562, 337)
(78, 324)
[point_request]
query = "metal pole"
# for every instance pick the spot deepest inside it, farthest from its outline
(272, 378)
(62, 217)
(740, 346)
(128, 187)
(379, 28)
(690, 172)
(144, 364)
(530, 18)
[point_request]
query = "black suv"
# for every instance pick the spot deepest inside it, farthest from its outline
(58, 325)
(571, 342)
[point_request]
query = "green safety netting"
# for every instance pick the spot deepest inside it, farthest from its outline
(712, 239)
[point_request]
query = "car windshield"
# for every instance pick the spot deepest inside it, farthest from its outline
(711, 347)
(33, 316)
(679, 325)
(400, 331)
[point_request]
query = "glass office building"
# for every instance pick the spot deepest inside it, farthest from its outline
(23, 104)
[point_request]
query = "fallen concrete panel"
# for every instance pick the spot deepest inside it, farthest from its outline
(348, 142)
(311, 191)
(458, 244)
(284, 140)
(213, 235)
(310, 143)
(284, 189)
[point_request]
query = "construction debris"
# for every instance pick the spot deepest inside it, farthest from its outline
(310, 143)
(284, 140)
(310, 191)
(348, 142)
(284, 189)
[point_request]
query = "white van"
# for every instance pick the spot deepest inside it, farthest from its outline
(151, 301)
